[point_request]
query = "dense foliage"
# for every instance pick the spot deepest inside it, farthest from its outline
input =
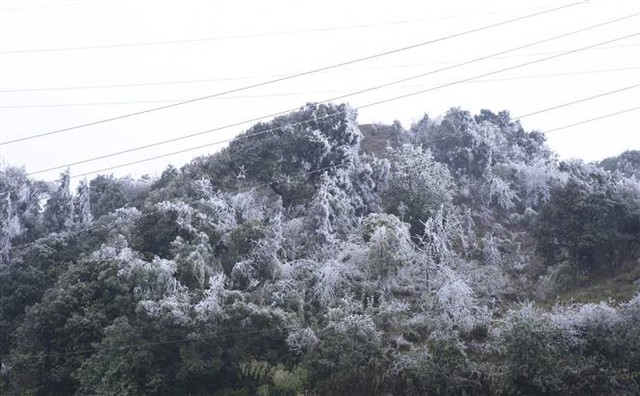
(293, 262)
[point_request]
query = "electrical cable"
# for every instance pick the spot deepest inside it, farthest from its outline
(577, 101)
(305, 73)
(494, 72)
(285, 94)
(348, 95)
(208, 80)
(328, 116)
(592, 119)
(253, 35)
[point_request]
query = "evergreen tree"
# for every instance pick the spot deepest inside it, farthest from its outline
(58, 213)
(82, 205)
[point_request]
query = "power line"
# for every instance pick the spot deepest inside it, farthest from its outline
(254, 35)
(546, 75)
(578, 101)
(333, 115)
(592, 119)
(360, 92)
(563, 74)
(158, 143)
(302, 122)
(305, 73)
(494, 72)
(219, 79)
(247, 121)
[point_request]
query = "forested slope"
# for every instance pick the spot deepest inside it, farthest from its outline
(296, 261)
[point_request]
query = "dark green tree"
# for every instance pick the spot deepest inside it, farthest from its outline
(590, 225)
(281, 152)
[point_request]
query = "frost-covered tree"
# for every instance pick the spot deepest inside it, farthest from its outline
(534, 182)
(417, 186)
(115, 369)
(302, 340)
(442, 234)
(470, 145)
(498, 191)
(20, 209)
(146, 280)
(212, 303)
(26, 197)
(286, 151)
(334, 280)
(58, 213)
(330, 213)
(195, 260)
(82, 205)
(9, 226)
(491, 250)
(389, 246)
(368, 178)
(108, 193)
(161, 224)
(627, 163)
(460, 142)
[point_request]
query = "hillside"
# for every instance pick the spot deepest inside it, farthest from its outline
(377, 137)
(316, 256)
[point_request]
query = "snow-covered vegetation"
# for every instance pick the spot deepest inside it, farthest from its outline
(294, 262)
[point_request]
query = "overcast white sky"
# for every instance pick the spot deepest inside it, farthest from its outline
(245, 52)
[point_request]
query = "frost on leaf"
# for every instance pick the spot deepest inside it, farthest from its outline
(456, 300)
(417, 186)
(442, 233)
(389, 244)
(535, 182)
(334, 277)
(9, 227)
(491, 250)
(149, 280)
(195, 259)
(211, 304)
(184, 213)
(82, 205)
(302, 340)
(499, 192)
(174, 309)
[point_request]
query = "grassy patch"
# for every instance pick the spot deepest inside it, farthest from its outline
(621, 286)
